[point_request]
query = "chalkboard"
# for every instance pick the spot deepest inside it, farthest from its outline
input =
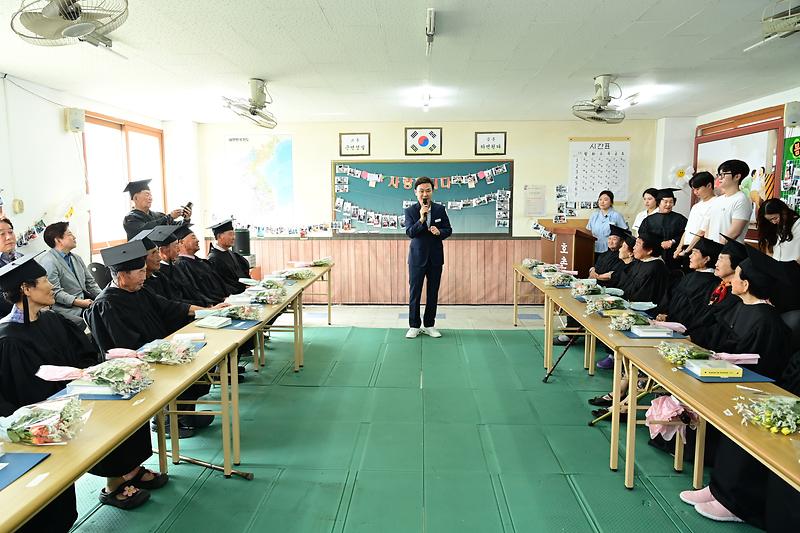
(370, 196)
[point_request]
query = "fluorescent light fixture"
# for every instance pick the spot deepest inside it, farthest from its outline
(426, 100)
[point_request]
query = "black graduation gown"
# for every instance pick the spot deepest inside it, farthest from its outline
(688, 297)
(122, 319)
(230, 266)
(739, 481)
(50, 340)
(666, 226)
(703, 328)
(605, 262)
(136, 221)
(646, 281)
(619, 275)
(184, 284)
(787, 297)
(204, 277)
(162, 284)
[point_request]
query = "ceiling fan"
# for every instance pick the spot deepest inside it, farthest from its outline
(62, 22)
(598, 109)
(254, 109)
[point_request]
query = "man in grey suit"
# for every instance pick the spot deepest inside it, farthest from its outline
(73, 285)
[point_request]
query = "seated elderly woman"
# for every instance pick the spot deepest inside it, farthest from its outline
(739, 482)
(31, 336)
(8, 252)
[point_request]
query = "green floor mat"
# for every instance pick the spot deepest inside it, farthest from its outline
(515, 449)
(393, 446)
(453, 447)
(543, 502)
(460, 501)
(386, 502)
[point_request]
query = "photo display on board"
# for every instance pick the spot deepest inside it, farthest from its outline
(372, 196)
(597, 165)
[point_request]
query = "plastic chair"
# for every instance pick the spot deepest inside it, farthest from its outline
(100, 273)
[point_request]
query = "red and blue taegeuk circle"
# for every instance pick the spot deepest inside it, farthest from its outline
(423, 141)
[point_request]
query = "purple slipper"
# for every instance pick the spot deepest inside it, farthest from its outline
(606, 364)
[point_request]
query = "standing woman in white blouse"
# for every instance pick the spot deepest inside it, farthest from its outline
(650, 207)
(779, 230)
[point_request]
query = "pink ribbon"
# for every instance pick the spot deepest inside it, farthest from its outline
(674, 326)
(59, 373)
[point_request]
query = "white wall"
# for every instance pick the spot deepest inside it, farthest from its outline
(780, 98)
(674, 146)
(539, 150)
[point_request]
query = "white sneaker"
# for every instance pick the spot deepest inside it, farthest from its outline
(432, 332)
(412, 333)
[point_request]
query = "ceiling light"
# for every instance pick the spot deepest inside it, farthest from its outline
(426, 101)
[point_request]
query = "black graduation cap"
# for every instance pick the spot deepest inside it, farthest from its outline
(669, 192)
(735, 250)
(630, 240)
(222, 227)
(21, 269)
(182, 231)
(619, 232)
(777, 271)
(144, 236)
(137, 186)
(128, 256)
(708, 248)
(651, 241)
(163, 235)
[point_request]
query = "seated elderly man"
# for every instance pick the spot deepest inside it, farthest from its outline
(229, 264)
(125, 316)
(197, 269)
(73, 285)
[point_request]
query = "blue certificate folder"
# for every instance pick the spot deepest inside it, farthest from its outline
(16, 465)
(242, 324)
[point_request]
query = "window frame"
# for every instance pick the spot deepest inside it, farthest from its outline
(125, 127)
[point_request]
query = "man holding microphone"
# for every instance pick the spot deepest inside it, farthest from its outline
(427, 226)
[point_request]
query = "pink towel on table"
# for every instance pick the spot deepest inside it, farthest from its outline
(118, 353)
(59, 373)
(570, 272)
(738, 358)
(674, 326)
(666, 409)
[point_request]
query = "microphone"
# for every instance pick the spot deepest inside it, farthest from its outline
(425, 203)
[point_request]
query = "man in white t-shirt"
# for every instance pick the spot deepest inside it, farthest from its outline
(702, 185)
(730, 211)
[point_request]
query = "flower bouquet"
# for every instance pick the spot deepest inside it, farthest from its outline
(241, 312)
(299, 273)
(162, 351)
(558, 279)
(325, 261)
(272, 296)
(778, 414)
(125, 376)
(543, 268)
(272, 284)
(677, 353)
(625, 321)
(604, 303)
(48, 422)
(531, 263)
(583, 288)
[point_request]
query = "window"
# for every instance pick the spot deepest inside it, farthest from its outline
(117, 152)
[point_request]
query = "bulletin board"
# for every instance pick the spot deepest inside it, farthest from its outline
(371, 196)
(598, 164)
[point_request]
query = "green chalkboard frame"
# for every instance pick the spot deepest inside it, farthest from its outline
(478, 221)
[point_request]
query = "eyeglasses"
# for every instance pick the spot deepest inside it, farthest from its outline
(720, 174)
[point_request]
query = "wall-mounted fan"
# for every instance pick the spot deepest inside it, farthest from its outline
(255, 108)
(61, 22)
(598, 109)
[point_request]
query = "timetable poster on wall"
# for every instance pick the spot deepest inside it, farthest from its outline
(370, 197)
(598, 164)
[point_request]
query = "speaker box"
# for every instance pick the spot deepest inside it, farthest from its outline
(74, 119)
(241, 243)
(791, 114)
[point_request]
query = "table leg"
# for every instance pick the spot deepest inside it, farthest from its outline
(515, 281)
(233, 364)
(699, 454)
(297, 311)
(630, 442)
(679, 444)
(300, 329)
(615, 407)
(162, 442)
(174, 432)
(591, 346)
(226, 414)
(548, 332)
(330, 297)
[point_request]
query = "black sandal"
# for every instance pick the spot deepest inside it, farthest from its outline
(601, 401)
(134, 497)
(158, 481)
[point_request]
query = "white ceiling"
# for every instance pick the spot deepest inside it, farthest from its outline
(364, 60)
